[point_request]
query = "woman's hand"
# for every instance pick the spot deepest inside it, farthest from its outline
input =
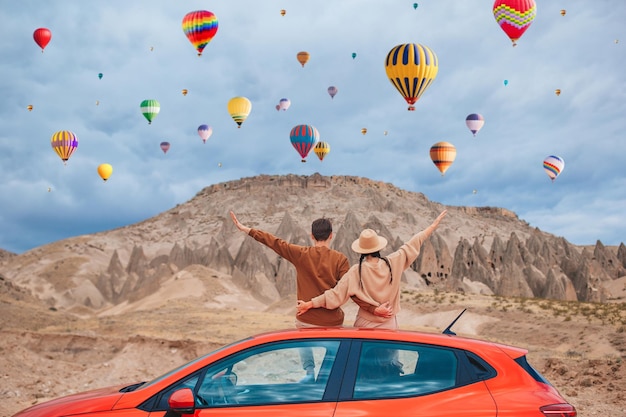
(384, 310)
(303, 307)
(239, 226)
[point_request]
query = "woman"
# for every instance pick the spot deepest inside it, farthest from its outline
(375, 279)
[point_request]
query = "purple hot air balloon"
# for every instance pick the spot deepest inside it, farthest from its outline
(205, 131)
(165, 146)
(304, 138)
(475, 122)
(332, 90)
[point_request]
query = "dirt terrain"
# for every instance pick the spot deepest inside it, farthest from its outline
(46, 353)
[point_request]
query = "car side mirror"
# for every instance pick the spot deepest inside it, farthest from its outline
(182, 401)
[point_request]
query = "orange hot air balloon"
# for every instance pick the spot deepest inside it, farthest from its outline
(283, 12)
(303, 57)
(563, 11)
(557, 92)
(443, 155)
(105, 171)
(30, 107)
(185, 91)
(364, 130)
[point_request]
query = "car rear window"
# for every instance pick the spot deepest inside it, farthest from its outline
(521, 361)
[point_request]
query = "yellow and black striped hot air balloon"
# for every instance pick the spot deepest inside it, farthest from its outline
(64, 144)
(411, 68)
(239, 109)
(321, 149)
(443, 155)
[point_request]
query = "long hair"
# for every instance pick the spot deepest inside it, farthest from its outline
(375, 255)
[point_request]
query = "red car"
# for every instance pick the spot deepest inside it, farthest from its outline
(343, 372)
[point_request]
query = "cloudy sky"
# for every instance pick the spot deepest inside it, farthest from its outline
(142, 52)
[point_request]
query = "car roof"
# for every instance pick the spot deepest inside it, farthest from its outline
(452, 341)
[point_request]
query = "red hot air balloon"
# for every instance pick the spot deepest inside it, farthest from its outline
(42, 37)
(514, 16)
(200, 27)
(165, 146)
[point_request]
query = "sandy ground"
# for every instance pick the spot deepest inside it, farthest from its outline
(44, 353)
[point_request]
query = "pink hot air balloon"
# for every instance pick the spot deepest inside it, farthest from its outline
(332, 90)
(205, 132)
(165, 146)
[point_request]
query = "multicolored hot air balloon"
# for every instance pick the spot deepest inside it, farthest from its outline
(200, 27)
(304, 138)
(411, 68)
(284, 104)
(553, 165)
(42, 37)
(185, 91)
(321, 149)
(239, 109)
(64, 144)
(283, 12)
(303, 57)
(557, 91)
(30, 107)
(165, 146)
(105, 171)
(474, 122)
(514, 16)
(364, 130)
(149, 109)
(563, 12)
(443, 155)
(332, 90)
(205, 132)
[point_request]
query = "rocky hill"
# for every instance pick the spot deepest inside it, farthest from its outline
(485, 250)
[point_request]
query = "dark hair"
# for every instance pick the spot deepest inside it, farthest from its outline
(375, 255)
(321, 229)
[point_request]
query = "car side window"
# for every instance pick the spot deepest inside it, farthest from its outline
(395, 370)
(279, 373)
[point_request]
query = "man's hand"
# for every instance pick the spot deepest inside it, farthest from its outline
(239, 226)
(384, 310)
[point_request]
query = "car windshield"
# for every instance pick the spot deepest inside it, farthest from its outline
(157, 379)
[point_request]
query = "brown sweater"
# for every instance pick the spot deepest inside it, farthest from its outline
(318, 269)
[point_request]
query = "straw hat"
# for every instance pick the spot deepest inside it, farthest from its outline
(369, 242)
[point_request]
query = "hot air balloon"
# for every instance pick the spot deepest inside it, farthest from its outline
(150, 108)
(474, 122)
(303, 57)
(64, 144)
(385, 133)
(353, 55)
(105, 171)
(557, 91)
(332, 90)
(278, 107)
(165, 146)
(200, 27)
(364, 130)
(321, 149)
(304, 138)
(42, 37)
(239, 109)
(505, 82)
(514, 16)
(411, 68)
(205, 132)
(30, 107)
(185, 91)
(97, 102)
(283, 12)
(553, 165)
(284, 103)
(100, 75)
(563, 12)
(443, 155)
(415, 6)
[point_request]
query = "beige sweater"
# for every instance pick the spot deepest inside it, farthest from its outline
(376, 288)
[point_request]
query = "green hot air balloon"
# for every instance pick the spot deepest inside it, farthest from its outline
(150, 108)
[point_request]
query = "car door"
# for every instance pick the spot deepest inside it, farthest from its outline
(271, 380)
(408, 379)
